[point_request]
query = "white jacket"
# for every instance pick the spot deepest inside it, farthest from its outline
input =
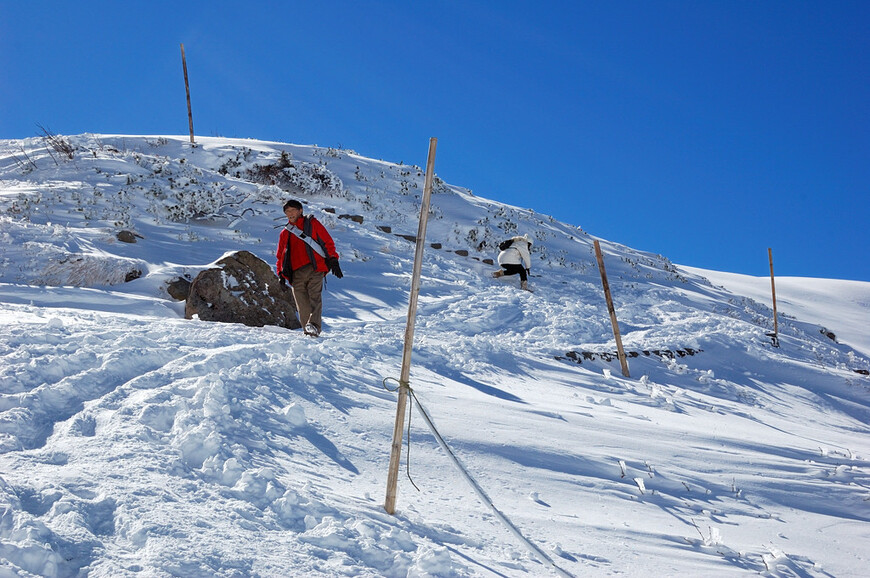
(517, 253)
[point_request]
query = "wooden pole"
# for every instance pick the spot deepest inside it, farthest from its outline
(187, 90)
(610, 309)
(773, 292)
(404, 378)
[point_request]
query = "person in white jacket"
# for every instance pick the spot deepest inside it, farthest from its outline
(516, 260)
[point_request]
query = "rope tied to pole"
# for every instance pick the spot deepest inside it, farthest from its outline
(408, 436)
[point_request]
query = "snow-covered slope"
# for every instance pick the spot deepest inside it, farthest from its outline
(137, 443)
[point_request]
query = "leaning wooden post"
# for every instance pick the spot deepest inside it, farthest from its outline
(773, 292)
(620, 352)
(187, 90)
(404, 385)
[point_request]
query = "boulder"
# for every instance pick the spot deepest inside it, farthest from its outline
(241, 289)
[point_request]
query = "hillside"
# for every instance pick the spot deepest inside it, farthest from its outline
(134, 442)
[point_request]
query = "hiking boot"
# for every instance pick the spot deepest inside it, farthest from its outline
(525, 286)
(312, 330)
(499, 273)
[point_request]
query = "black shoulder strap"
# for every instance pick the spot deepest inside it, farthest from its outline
(312, 244)
(306, 230)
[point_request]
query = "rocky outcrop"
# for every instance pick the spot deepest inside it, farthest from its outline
(581, 356)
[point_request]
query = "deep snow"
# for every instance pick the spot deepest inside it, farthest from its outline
(137, 443)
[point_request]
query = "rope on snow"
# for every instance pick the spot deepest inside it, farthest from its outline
(535, 550)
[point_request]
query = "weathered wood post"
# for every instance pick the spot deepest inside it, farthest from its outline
(404, 385)
(773, 292)
(610, 309)
(187, 90)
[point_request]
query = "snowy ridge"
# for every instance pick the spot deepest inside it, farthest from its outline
(136, 443)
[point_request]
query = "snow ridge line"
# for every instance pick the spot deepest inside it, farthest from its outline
(487, 501)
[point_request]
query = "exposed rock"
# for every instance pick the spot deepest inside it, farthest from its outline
(242, 289)
(178, 288)
(132, 275)
(126, 236)
(385, 228)
(580, 356)
(355, 218)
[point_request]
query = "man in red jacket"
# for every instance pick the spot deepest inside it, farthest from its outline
(306, 253)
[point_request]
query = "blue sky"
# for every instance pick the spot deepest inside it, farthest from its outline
(706, 131)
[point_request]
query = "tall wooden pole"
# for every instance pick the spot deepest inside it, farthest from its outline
(396, 448)
(610, 309)
(773, 292)
(187, 90)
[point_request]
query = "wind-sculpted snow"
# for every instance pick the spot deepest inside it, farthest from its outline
(136, 443)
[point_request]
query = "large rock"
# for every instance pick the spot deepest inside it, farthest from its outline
(242, 289)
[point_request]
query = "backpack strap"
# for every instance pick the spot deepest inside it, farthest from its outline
(311, 245)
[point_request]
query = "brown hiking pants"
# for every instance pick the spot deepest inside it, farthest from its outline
(307, 286)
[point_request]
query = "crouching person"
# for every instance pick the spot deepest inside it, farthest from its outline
(515, 259)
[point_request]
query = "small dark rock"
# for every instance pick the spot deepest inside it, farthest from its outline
(178, 289)
(126, 236)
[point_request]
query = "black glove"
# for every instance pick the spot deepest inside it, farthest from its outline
(283, 283)
(334, 268)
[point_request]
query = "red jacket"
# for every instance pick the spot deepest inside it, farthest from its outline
(299, 249)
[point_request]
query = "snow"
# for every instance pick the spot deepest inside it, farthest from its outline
(134, 442)
(809, 299)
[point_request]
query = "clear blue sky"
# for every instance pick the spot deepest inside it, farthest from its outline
(706, 131)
